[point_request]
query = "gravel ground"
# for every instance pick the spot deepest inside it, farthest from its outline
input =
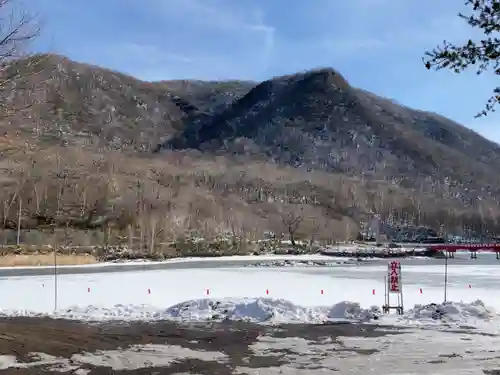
(47, 346)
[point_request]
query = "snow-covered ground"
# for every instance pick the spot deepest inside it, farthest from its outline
(421, 352)
(295, 294)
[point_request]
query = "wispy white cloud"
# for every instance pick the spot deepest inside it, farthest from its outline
(385, 25)
(164, 39)
(218, 37)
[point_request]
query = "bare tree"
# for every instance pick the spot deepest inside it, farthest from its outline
(155, 231)
(18, 29)
(313, 229)
(291, 221)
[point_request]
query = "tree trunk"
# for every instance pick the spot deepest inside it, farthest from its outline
(153, 233)
(130, 237)
(291, 235)
(19, 221)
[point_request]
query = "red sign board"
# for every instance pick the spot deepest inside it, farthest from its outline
(394, 276)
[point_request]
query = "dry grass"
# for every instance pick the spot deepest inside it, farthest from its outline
(19, 260)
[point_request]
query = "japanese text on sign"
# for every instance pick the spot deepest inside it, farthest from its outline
(394, 276)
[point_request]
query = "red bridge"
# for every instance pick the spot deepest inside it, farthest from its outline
(452, 248)
(473, 248)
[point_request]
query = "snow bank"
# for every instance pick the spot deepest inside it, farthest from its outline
(303, 263)
(259, 310)
(267, 310)
(353, 311)
(456, 312)
(273, 311)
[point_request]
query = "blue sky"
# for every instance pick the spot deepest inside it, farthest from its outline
(376, 44)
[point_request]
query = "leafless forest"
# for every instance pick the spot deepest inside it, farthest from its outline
(81, 197)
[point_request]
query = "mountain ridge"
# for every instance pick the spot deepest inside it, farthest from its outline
(305, 144)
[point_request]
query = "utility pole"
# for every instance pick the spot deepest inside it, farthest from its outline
(445, 275)
(55, 279)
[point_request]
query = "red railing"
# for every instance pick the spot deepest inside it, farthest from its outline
(493, 247)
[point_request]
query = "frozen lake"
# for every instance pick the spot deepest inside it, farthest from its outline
(144, 292)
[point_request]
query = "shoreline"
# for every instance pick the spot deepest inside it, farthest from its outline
(340, 257)
(145, 265)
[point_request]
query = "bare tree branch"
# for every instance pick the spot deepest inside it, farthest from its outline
(18, 29)
(483, 55)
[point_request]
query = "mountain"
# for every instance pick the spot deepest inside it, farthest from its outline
(80, 103)
(98, 151)
(318, 121)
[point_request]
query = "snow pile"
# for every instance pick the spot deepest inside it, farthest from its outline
(259, 310)
(302, 263)
(117, 312)
(456, 312)
(4, 313)
(93, 313)
(256, 310)
(273, 311)
(352, 311)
